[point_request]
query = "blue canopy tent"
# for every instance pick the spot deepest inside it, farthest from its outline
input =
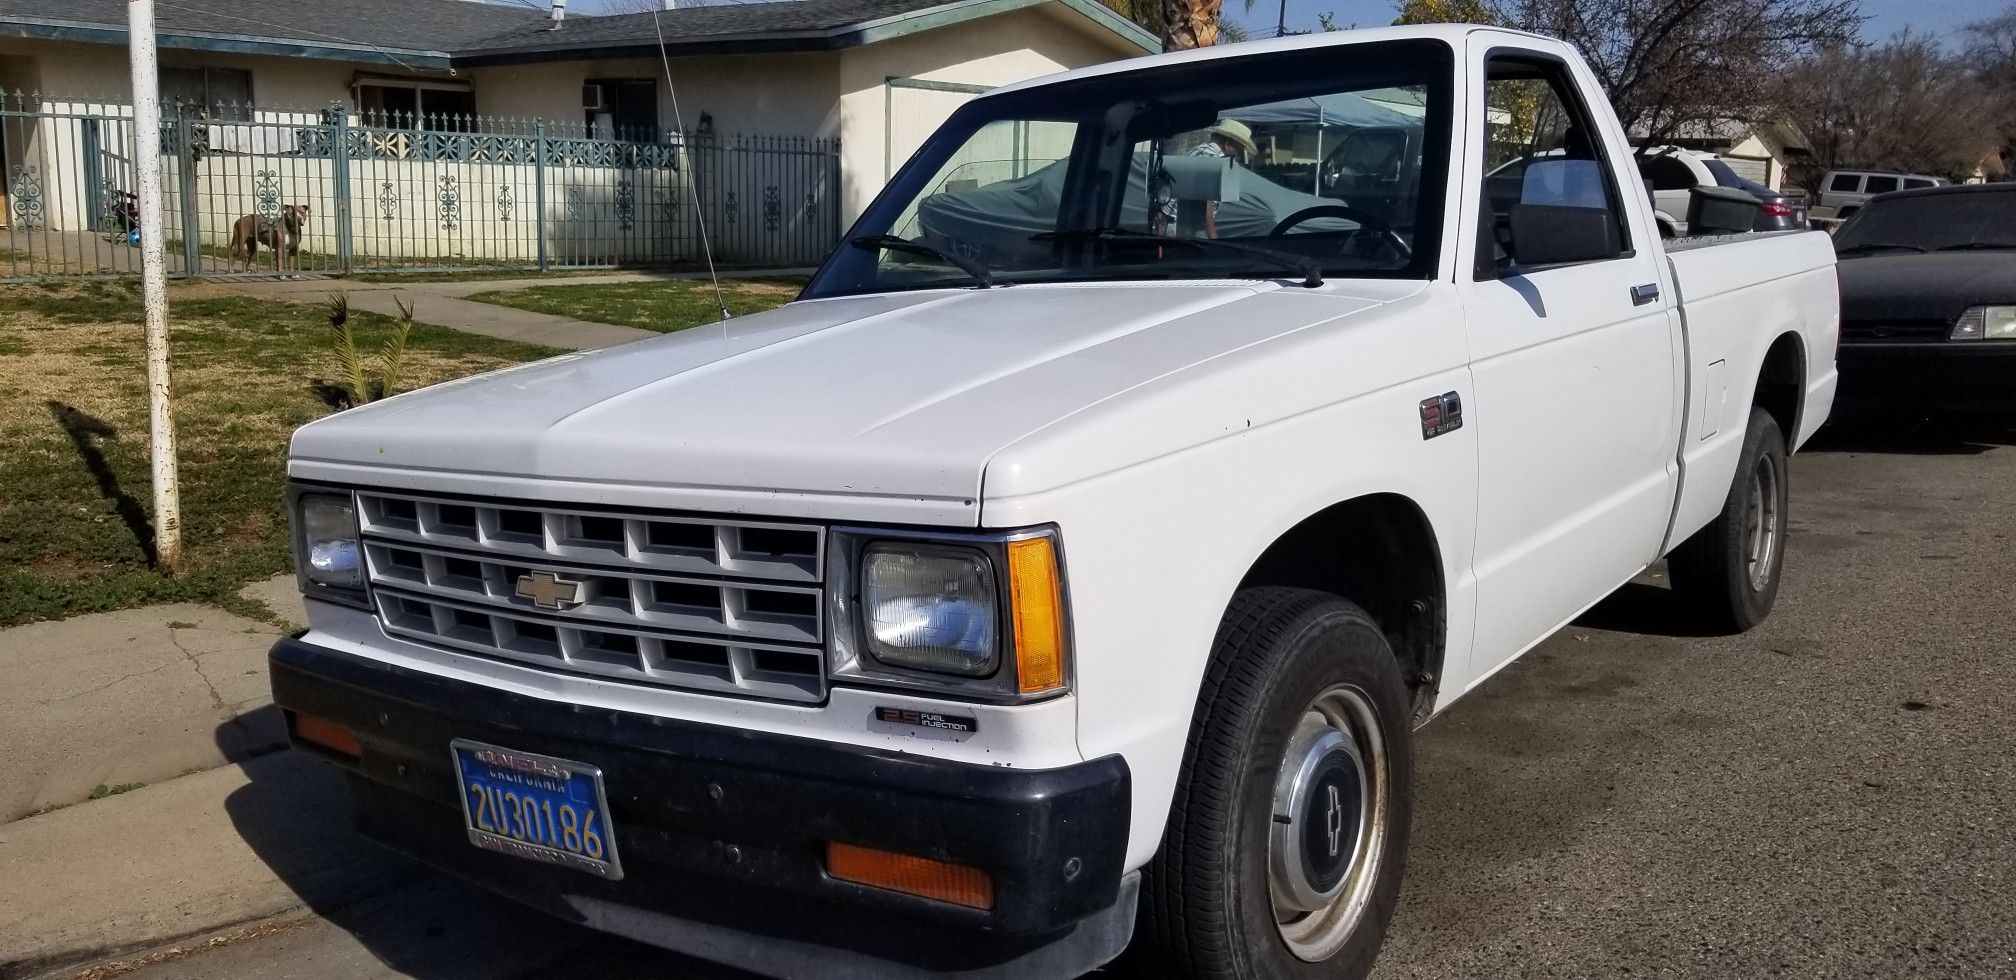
(1323, 110)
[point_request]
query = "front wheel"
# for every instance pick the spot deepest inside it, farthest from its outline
(1727, 574)
(1288, 835)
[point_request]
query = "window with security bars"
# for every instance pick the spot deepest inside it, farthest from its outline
(220, 94)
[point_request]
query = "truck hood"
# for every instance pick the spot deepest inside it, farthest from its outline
(1935, 286)
(895, 395)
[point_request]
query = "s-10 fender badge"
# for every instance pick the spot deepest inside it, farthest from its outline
(927, 719)
(1440, 414)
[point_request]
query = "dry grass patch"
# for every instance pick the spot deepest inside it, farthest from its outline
(75, 496)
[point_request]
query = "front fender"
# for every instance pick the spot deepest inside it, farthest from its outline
(1157, 547)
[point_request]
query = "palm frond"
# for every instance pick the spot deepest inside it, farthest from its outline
(343, 343)
(392, 353)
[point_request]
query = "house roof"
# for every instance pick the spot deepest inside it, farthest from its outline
(454, 33)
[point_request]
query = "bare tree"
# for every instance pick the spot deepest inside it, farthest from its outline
(1671, 66)
(1991, 52)
(1907, 104)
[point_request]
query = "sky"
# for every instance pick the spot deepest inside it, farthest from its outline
(1938, 17)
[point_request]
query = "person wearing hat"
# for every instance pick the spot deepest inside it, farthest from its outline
(1226, 138)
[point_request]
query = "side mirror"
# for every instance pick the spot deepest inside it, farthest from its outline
(1563, 215)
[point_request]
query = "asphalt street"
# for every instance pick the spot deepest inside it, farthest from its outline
(1831, 795)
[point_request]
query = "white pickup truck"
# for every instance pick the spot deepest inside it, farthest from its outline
(1072, 563)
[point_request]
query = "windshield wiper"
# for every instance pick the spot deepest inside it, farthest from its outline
(897, 243)
(1974, 246)
(1872, 246)
(1311, 272)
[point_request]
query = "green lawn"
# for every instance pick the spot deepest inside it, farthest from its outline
(663, 305)
(75, 495)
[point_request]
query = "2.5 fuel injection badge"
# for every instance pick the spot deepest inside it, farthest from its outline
(1440, 414)
(927, 719)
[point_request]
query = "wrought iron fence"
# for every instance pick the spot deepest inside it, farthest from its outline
(252, 191)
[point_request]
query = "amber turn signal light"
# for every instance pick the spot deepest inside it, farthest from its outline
(1037, 600)
(325, 734)
(911, 875)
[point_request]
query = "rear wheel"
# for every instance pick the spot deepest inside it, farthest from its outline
(1727, 574)
(1288, 834)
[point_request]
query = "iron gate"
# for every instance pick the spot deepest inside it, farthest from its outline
(350, 193)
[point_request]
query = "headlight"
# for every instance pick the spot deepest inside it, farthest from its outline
(326, 554)
(977, 615)
(929, 609)
(1986, 323)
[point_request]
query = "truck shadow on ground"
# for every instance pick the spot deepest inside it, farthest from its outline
(295, 815)
(1644, 607)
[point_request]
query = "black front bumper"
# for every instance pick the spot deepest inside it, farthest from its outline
(722, 831)
(1928, 376)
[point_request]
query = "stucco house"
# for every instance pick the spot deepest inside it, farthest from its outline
(875, 76)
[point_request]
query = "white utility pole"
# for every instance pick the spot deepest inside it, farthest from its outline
(154, 282)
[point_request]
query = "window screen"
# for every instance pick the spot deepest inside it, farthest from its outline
(224, 93)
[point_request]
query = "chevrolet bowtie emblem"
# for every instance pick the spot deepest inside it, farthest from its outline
(550, 591)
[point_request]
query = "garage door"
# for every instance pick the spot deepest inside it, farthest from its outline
(1750, 168)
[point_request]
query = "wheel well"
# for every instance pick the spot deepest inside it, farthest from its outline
(1378, 551)
(1781, 384)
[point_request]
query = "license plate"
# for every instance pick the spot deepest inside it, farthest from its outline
(536, 807)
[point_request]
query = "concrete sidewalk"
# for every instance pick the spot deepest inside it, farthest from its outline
(443, 304)
(182, 858)
(130, 697)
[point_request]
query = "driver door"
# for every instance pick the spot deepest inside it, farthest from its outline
(1576, 356)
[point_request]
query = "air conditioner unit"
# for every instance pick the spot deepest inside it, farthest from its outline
(593, 99)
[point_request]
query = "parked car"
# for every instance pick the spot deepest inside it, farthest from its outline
(1843, 192)
(923, 626)
(1928, 299)
(1675, 173)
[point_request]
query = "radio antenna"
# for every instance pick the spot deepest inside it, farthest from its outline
(699, 213)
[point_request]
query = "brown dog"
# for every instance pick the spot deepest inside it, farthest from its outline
(282, 236)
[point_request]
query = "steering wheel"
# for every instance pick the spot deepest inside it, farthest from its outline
(1366, 222)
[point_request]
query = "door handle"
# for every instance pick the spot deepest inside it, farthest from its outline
(1641, 295)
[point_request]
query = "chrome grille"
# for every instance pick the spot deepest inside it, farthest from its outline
(724, 606)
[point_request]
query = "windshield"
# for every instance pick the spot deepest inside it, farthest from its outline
(1933, 221)
(1264, 166)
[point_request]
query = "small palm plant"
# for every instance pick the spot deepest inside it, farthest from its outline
(355, 383)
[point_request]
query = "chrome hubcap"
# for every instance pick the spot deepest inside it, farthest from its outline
(1328, 831)
(1762, 524)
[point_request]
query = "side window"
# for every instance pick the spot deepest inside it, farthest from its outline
(1667, 174)
(1913, 183)
(1881, 185)
(1550, 195)
(1845, 183)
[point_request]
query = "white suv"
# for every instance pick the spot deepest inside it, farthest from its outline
(1846, 190)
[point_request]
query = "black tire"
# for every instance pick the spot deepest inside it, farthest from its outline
(1713, 570)
(1206, 909)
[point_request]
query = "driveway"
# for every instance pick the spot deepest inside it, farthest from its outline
(1830, 795)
